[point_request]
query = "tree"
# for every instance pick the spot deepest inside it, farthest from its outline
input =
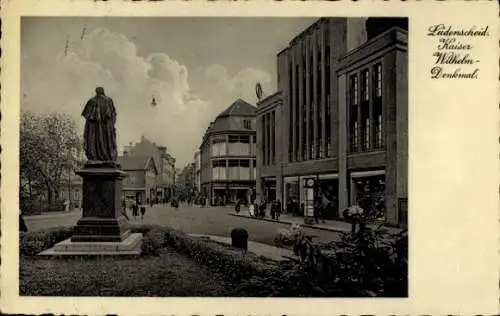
(49, 145)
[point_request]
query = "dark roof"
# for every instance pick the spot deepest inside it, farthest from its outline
(239, 108)
(134, 162)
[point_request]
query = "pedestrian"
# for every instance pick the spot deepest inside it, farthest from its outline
(135, 209)
(278, 209)
(262, 209)
(316, 211)
(251, 210)
(289, 208)
(273, 210)
(124, 210)
(237, 207)
(143, 211)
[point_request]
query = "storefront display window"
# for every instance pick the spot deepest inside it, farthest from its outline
(369, 193)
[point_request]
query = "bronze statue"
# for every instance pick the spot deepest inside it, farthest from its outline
(100, 134)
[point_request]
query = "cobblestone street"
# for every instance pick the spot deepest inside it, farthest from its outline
(192, 220)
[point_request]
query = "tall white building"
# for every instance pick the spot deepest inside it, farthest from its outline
(227, 154)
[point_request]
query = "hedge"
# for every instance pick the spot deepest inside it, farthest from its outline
(231, 262)
(224, 259)
(32, 243)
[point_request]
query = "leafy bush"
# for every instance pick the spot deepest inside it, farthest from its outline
(286, 237)
(153, 242)
(233, 263)
(32, 243)
(370, 262)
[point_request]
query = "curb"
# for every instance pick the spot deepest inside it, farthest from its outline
(335, 230)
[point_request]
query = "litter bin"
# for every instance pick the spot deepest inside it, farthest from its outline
(239, 238)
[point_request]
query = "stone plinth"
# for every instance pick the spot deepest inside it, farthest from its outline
(102, 229)
(102, 190)
(131, 246)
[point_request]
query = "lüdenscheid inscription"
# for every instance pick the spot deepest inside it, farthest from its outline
(454, 57)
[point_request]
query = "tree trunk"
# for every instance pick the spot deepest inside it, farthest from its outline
(50, 196)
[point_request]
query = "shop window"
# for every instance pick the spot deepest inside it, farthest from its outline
(370, 195)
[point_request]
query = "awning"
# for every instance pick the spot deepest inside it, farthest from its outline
(328, 176)
(361, 174)
(134, 189)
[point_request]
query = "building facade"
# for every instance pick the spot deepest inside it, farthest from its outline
(197, 162)
(164, 162)
(140, 183)
(228, 155)
(340, 116)
(71, 190)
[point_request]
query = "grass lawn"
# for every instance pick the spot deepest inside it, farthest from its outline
(169, 274)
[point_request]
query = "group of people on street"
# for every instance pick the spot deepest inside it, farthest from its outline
(259, 209)
(276, 209)
(135, 206)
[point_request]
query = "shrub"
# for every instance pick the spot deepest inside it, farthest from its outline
(32, 243)
(153, 242)
(367, 263)
(286, 237)
(231, 262)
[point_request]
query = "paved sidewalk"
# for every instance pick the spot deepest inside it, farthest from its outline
(73, 212)
(328, 225)
(270, 252)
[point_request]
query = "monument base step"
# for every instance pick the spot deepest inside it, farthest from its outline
(131, 246)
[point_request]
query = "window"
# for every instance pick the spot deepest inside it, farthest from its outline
(218, 147)
(264, 140)
(273, 138)
(219, 170)
(244, 170)
(366, 86)
(377, 107)
(254, 169)
(378, 80)
(247, 124)
(353, 114)
(354, 90)
(365, 112)
(233, 170)
(290, 111)
(367, 133)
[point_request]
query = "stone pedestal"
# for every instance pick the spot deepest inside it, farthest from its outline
(102, 191)
(102, 229)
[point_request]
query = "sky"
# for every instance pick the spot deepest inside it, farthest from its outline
(193, 67)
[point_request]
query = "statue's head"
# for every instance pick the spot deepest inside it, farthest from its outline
(99, 91)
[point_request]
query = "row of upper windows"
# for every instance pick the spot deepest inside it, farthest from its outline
(376, 75)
